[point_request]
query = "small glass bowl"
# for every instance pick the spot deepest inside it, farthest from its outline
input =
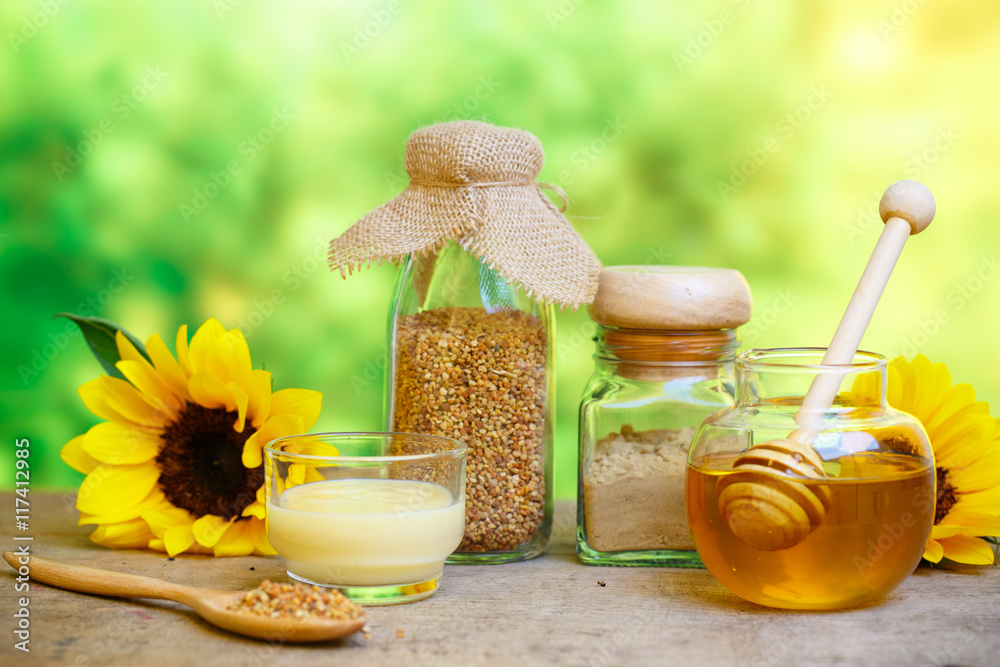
(372, 514)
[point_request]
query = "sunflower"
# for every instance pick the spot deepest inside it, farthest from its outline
(177, 466)
(966, 455)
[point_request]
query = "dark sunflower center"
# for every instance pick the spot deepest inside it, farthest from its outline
(946, 496)
(899, 444)
(201, 463)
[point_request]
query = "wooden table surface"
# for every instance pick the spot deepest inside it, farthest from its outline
(550, 610)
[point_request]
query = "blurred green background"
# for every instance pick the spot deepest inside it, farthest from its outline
(162, 163)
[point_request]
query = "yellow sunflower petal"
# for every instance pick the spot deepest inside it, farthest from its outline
(985, 502)
(955, 399)
(136, 511)
(94, 399)
(168, 368)
(898, 387)
(921, 369)
(240, 398)
(982, 476)
(275, 427)
(134, 534)
(202, 342)
(314, 447)
(183, 350)
(259, 390)
(76, 457)
(120, 444)
(935, 384)
(254, 509)
(959, 457)
(300, 473)
(973, 524)
(113, 488)
(237, 540)
(943, 530)
(296, 475)
(972, 428)
(124, 400)
(969, 550)
(867, 389)
(209, 391)
(229, 358)
(178, 539)
(933, 552)
(144, 377)
(156, 544)
(165, 516)
(258, 535)
(253, 451)
(209, 529)
(302, 402)
(126, 350)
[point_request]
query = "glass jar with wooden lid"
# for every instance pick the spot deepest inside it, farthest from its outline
(665, 346)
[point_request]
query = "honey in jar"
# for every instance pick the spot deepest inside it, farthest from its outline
(876, 483)
(871, 538)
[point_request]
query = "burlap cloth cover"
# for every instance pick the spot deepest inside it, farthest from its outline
(474, 183)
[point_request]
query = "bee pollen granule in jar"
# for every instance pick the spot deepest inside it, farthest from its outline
(480, 377)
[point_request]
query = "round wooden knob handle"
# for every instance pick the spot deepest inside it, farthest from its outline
(910, 201)
(769, 500)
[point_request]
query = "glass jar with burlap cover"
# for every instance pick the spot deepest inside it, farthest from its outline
(484, 255)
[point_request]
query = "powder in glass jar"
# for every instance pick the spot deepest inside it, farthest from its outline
(634, 491)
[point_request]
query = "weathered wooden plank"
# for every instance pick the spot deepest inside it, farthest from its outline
(546, 611)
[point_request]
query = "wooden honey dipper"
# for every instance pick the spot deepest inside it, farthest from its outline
(762, 501)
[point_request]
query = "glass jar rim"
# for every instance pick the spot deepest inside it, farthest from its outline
(273, 447)
(781, 360)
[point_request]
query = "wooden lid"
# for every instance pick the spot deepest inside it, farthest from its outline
(679, 298)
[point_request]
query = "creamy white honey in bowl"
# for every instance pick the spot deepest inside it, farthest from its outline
(373, 514)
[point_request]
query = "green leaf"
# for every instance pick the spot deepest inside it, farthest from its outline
(100, 336)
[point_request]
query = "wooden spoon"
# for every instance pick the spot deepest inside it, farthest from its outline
(207, 603)
(764, 501)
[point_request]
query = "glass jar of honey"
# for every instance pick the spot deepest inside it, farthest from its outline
(810, 509)
(665, 347)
